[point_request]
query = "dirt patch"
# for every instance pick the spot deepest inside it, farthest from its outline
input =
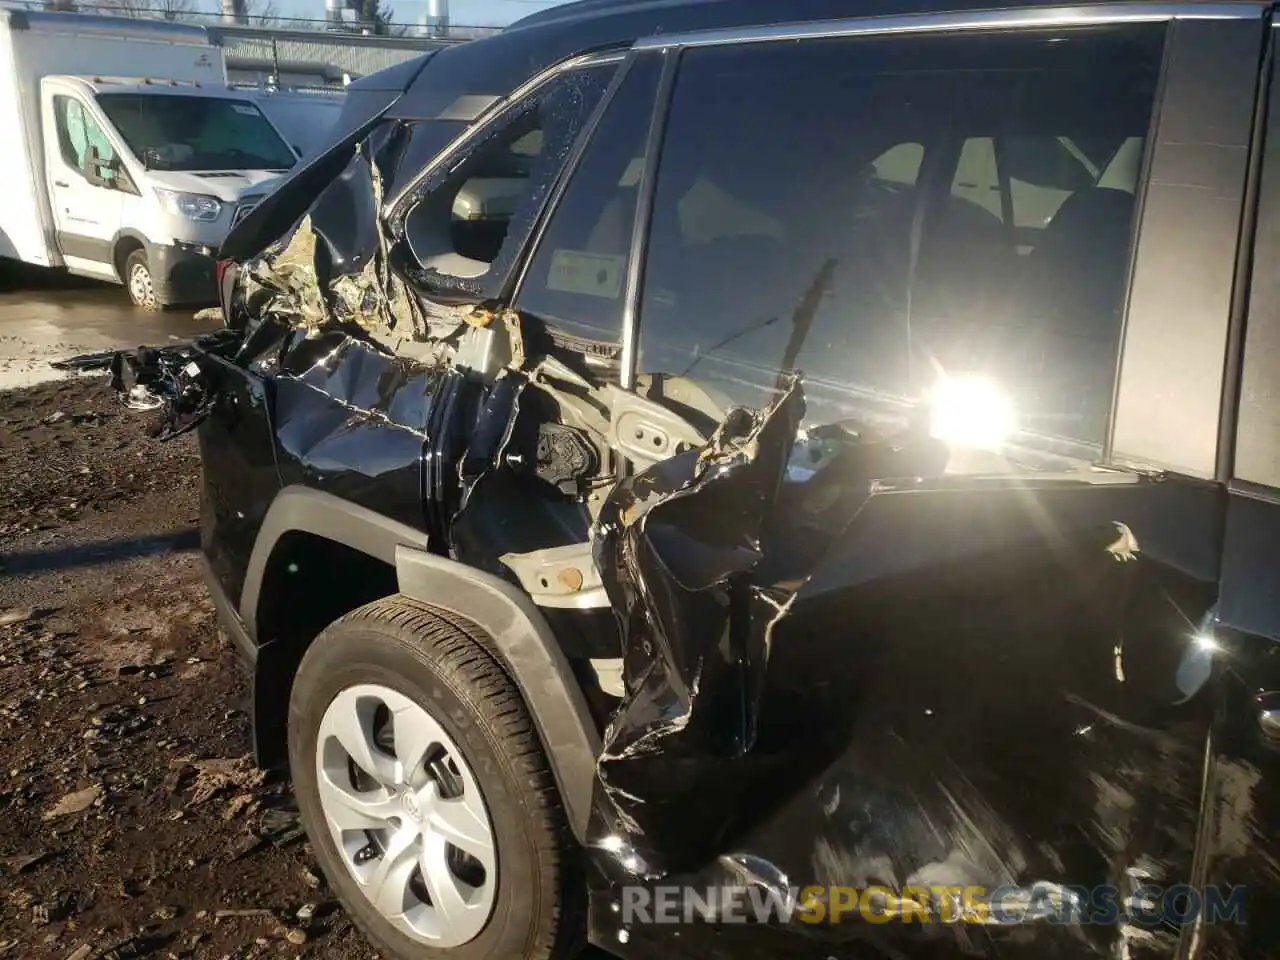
(130, 817)
(71, 449)
(131, 821)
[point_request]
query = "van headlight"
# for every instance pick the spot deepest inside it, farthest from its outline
(193, 206)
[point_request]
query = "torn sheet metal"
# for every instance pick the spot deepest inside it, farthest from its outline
(677, 547)
(353, 419)
(354, 361)
(535, 466)
(909, 684)
(335, 267)
(358, 365)
(507, 501)
(283, 281)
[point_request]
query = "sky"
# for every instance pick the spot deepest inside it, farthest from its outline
(461, 12)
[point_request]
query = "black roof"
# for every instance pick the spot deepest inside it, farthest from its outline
(496, 65)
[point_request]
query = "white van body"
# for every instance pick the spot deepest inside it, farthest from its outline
(305, 119)
(111, 164)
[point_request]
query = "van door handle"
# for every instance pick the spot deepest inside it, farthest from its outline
(61, 183)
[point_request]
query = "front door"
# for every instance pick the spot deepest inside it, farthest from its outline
(86, 181)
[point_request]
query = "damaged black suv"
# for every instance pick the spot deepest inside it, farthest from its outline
(659, 451)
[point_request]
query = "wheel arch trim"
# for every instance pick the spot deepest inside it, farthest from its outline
(299, 509)
(133, 236)
(520, 635)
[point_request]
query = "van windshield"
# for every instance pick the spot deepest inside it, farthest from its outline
(172, 132)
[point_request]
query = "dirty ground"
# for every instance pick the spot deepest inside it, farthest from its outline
(128, 820)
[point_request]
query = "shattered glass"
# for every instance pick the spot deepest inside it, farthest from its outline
(551, 118)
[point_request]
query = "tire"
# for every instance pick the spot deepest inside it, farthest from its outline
(440, 665)
(140, 283)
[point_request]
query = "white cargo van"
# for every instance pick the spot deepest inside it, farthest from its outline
(126, 156)
(306, 119)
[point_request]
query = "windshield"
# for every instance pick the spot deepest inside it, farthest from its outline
(169, 132)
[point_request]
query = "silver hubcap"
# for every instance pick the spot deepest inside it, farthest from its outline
(140, 287)
(406, 815)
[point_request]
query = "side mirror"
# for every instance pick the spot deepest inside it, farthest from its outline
(100, 172)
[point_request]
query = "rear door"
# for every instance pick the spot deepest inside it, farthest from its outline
(968, 675)
(1243, 848)
(86, 194)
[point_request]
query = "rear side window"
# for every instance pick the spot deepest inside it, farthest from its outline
(466, 224)
(886, 214)
(577, 278)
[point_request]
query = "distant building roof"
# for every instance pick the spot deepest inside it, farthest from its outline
(327, 54)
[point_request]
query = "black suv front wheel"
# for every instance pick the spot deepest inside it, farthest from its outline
(425, 792)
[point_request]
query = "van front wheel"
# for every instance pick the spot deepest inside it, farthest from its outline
(139, 281)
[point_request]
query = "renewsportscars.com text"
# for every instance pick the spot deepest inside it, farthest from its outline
(1053, 903)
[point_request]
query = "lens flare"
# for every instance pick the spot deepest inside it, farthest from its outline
(970, 412)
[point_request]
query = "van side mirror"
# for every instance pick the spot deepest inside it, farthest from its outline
(99, 172)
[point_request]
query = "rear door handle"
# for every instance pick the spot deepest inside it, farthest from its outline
(61, 183)
(1268, 706)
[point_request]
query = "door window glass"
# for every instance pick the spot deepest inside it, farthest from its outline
(478, 212)
(79, 135)
(576, 280)
(935, 208)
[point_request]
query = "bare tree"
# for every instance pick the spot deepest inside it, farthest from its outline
(262, 13)
(148, 9)
(373, 15)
